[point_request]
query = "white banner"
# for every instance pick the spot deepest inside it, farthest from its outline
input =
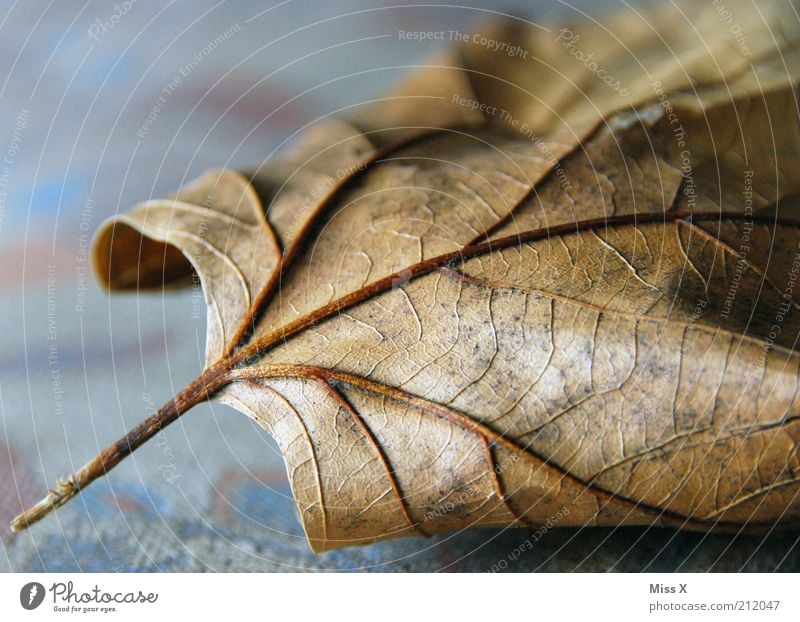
(354, 597)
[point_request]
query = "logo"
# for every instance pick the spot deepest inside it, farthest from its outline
(31, 595)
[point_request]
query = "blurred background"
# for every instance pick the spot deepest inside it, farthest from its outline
(105, 104)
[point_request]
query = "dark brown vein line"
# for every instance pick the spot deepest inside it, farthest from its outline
(310, 442)
(534, 189)
(666, 517)
(221, 373)
(265, 225)
(199, 390)
(727, 248)
(384, 460)
(658, 451)
(494, 468)
(765, 490)
(311, 224)
(266, 342)
(612, 313)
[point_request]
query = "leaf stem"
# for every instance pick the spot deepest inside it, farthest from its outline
(202, 388)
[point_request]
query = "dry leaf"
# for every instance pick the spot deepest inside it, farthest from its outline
(570, 302)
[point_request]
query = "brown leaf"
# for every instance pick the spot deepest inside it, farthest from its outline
(573, 305)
